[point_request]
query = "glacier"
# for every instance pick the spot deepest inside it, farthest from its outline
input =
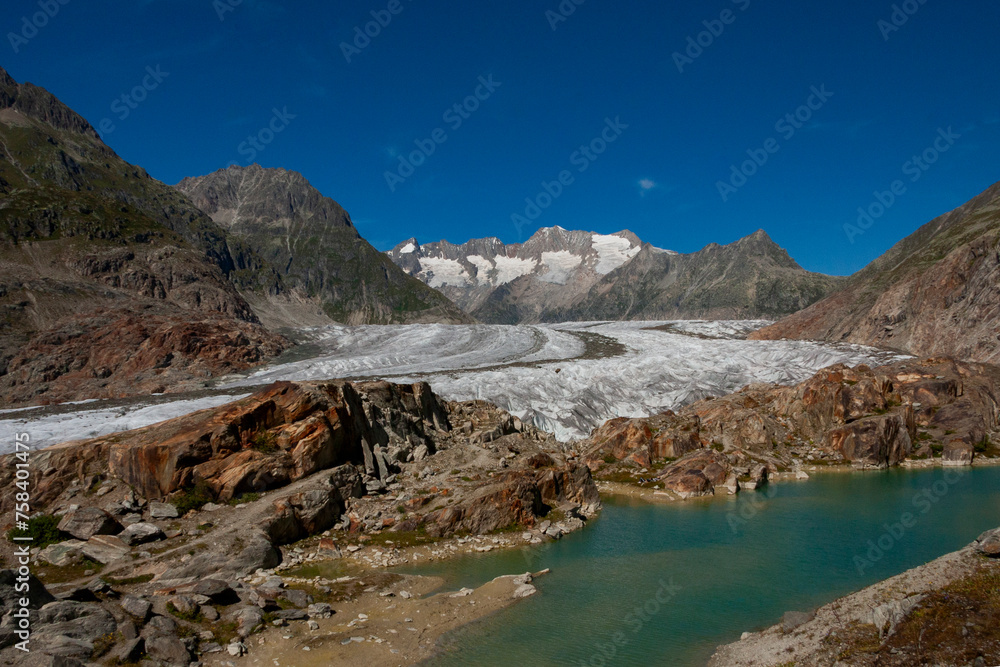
(565, 378)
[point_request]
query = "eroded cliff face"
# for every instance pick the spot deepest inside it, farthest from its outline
(934, 293)
(871, 418)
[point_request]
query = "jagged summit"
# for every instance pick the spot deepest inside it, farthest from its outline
(565, 274)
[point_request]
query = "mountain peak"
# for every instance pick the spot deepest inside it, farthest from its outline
(41, 105)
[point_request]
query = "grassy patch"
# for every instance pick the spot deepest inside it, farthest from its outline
(190, 616)
(264, 442)
(42, 530)
(128, 581)
(193, 498)
(245, 498)
(58, 575)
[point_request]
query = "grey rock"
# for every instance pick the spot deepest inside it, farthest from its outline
(248, 619)
(131, 650)
(136, 607)
(988, 544)
(104, 549)
(141, 533)
(89, 521)
(63, 553)
(169, 650)
(292, 614)
(319, 610)
(209, 613)
(296, 597)
(159, 626)
(37, 595)
(163, 511)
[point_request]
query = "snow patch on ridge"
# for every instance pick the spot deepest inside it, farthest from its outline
(408, 248)
(510, 269)
(560, 265)
(438, 272)
(483, 267)
(612, 252)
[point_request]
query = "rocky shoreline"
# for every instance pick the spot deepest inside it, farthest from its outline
(942, 613)
(184, 541)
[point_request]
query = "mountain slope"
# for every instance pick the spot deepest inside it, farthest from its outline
(749, 279)
(560, 275)
(84, 237)
(936, 292)
(310, 241)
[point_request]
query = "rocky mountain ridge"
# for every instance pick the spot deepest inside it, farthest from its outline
(330, 273)
(559, 275)
(933, 293)
(86, 237)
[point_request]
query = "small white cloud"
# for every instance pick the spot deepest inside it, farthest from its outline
(647, 184)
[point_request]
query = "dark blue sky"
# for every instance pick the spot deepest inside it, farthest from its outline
(659, 177)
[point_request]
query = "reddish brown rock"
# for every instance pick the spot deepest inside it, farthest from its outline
(120, 353)
(865, 416)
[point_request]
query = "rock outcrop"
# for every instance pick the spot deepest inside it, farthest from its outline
(933, 293)
(871, 418)
(123, 353)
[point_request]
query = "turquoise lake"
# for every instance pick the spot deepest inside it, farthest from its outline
(672, 582)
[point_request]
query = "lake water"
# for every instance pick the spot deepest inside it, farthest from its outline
(665, 584)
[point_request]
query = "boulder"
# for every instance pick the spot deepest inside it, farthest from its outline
(159, 626)
(988, 543)
(136, 607)
(169, 650)
(248, 619)
(141, 533)
(62, 553)
(10, 597)
(163, 511)
(80, 621)
(105, 549)
(256, 552)
(958, 453)
(129, 651)
(86, 522)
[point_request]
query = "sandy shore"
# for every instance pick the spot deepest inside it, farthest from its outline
(380, 630)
